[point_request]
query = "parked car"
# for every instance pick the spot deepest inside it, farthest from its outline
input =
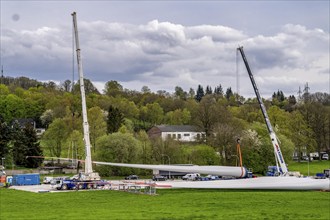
(325, 157)
(132, 177)
(191, 176)
(306, 158)
(159, 178)
(48, 179)
(212, 177)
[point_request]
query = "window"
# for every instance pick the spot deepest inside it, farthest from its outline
(174, 136)
(179, 136)
(168, 136)
(186, 135)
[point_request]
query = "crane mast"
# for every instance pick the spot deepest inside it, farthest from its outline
(89, 174)
(277, 151)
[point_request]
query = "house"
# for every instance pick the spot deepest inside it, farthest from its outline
(22, 122)
(184, 133)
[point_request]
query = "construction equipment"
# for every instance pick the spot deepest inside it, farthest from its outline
(238, 151)
(89, 174)
(280, 163)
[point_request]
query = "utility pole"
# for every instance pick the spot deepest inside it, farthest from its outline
(306, 93)
(299, 93)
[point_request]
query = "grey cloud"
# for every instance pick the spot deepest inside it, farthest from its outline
(217, 33)
(163, 54)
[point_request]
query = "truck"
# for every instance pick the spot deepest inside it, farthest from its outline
(70, 184)
(272, 171)
(78, 184)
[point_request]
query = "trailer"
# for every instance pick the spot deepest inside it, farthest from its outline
(73, 184)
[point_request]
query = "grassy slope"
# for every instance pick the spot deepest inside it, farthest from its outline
(169, 204)
(314, 167)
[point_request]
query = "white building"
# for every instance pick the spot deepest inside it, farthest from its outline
(184, 133)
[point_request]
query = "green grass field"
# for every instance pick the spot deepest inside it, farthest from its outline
(314, 167)
(171, 203)
(168, 204)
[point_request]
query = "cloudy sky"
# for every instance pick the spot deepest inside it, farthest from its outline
(163, 44)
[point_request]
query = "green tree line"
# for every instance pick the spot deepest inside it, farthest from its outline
(119, 119)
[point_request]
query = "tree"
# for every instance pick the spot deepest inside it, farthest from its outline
(66, 85)
(126, 107)
(279, 118)
(301, 134)
(178, 117)
(97, 125)
(114, 120)
(218, 91)
(207, 113)
(118, 148)
(154, 113)
(25, 143)
(3, 90)
(199, 93)
(32, 148)
(142, 136)
(11, 107)
(202, 155)
(208, 90)
(74, 145)
(191, 93)
(47, 117)
(256, 153)
(89, 87)
(180, 93)
(162, 150)
(55, 136)
(224, 139)
(5, 137)
(113, 88)
(318, 119)
(229, 93)
(51, 85)
(145, 90)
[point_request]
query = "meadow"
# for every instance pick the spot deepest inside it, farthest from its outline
(167, 204)
(314, 167)
(171, 203)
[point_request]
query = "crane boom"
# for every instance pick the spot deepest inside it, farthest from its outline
(88, 160)
(277, 151)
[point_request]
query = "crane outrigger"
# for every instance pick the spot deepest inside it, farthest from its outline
(280, 163)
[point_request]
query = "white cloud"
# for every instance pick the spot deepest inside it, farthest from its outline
(162, 55)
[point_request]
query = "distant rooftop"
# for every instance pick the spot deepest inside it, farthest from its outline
(177, 128)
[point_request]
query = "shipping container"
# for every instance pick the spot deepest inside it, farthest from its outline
(26, 179)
